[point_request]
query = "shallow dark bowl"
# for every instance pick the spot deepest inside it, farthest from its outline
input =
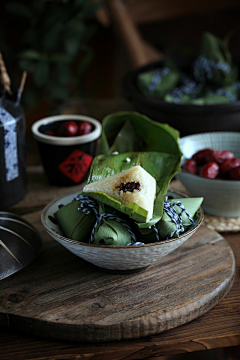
(66, 160)
(188, 119)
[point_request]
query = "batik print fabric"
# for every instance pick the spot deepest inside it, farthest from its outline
(10, 144)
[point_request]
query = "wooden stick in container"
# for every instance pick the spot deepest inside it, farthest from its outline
(5, 79)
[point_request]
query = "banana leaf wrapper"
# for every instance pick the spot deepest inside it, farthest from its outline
(128, 134)
(124, 132)
(162, 166)
(166, 226)
(223, 95)
(111, 232)
(74, 223)
(156, 83)
(78, 226)
(214, 70)
(216, 51)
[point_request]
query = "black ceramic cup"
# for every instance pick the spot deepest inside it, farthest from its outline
(66, 160)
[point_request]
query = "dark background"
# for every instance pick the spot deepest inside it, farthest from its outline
(172, 27)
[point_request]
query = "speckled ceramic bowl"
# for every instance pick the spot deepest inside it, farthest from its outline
(114, 258)
(221, 197)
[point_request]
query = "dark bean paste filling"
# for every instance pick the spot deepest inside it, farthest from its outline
(130, 186)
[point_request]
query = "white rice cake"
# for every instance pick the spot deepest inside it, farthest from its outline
(132, 185)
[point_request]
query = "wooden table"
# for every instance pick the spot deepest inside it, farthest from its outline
(220, 327)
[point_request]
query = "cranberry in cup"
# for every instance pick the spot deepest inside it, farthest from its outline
(84, 128)
(68, 128)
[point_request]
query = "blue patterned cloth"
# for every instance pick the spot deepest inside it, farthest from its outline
(10, 144)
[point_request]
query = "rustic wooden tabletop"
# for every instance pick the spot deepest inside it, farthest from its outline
(219, 327)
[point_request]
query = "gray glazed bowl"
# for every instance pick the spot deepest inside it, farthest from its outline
(221, 197)
(118, 259)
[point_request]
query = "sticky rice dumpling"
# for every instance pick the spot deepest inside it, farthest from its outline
(134, 185)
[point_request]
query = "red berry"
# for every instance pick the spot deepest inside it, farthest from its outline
(210, 170)
(202, 157)
(230, 164)
(50, 133)
(84, 128)
(68, 128)
(234, 174)
(191, 166)
(220, 156)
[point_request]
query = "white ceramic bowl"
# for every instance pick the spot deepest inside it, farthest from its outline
(66, 141)
(114, 258)
(221, 197)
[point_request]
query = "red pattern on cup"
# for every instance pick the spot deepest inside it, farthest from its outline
(76, 165)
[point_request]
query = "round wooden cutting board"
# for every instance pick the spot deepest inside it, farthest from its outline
(63, 297)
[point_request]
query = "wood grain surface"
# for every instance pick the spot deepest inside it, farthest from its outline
(217, 328)
(61, 296)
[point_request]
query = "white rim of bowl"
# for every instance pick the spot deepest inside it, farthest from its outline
(73, 140)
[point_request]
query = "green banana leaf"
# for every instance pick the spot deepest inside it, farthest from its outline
(127, 139)
(78, 226)
(124, 132)
(217, 52)
(166, 226)
(214, 70)
(158, 82)
(223, 95)
(110, 232)
(162, 166)
(75, 224)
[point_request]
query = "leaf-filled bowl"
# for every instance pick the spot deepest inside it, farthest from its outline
(114, 258)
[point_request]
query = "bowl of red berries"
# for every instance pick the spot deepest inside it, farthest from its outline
(211, 169)
(67, 145)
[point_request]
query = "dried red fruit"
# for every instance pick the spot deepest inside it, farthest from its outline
(220, 156)
(68, 128)
(202, 157)
(230, 164)
(50, 133)
(191, 166)
(84, 128)
(210, 170)
(234, 174)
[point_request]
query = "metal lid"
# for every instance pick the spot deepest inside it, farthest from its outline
(20, 243)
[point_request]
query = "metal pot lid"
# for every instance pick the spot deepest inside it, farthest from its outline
(20, 243)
